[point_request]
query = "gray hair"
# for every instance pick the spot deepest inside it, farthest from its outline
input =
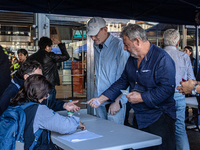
(171, 37)
(133, 31)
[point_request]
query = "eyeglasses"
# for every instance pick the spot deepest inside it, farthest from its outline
(97, 33)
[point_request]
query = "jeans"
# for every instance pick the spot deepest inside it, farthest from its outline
(117, 118)
(180, 132)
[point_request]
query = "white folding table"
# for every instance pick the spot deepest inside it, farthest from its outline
(115, 136)
(191, 102)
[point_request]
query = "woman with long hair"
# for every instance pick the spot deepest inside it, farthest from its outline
(188, 50)
(36, 89)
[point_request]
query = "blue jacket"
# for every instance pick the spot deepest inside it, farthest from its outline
(10, 93)
(5, 71)
(12, 90)
(155, 79)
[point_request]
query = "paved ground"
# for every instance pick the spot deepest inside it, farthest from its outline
(194, 139)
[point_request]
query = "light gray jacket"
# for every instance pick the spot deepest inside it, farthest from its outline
(46, 118)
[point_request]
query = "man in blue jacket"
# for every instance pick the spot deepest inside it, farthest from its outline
(29, 68)
(150, 73)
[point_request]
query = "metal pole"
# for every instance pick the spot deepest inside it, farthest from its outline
(197, 52)
(82, 54)
(72, 65)
(184, 43)
(178, 31)
(197, 59)
(35, 30)
(90, 73)
(72, 82)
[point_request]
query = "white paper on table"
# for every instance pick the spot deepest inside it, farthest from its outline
(80, 136)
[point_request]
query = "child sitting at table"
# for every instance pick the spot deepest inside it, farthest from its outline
(36, 89)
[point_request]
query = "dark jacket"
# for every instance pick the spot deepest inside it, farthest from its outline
(155, 80)
(10, 93)
(48, 61)
(12, 90)
(5, 71)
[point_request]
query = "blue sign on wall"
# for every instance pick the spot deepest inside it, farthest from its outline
(67, 64)
(78, 34)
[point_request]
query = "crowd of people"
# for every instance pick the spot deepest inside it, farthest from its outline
(152, 76)
(34, 81)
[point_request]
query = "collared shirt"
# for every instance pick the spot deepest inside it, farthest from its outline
(183, 65)
(155, 77)
(109, 64)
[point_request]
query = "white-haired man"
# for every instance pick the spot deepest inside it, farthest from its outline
(184, 70)
(109, 60)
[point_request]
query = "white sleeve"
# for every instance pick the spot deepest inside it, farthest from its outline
(46, 118)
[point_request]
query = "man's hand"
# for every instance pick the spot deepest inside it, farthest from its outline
(114, 108)
(55, 41)
(70, 106)
(134, 97)
(186, 86)
(97, 101)
(94, 102)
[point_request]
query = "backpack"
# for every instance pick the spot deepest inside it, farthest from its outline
(12, 123)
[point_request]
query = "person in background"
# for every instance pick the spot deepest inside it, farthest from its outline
(22, 55)
(15, 64)
(28, 68)
(150, 73)
(184, 70)
(49, 60)
(35, 89)
(188, 50)
(5, 71)
(109, 61)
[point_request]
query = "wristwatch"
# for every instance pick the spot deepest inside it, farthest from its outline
(194, 91)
